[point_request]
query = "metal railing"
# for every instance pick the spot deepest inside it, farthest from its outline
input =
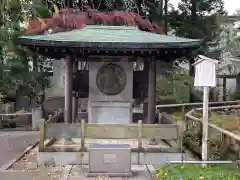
(194, 124)
(51, 118)
(223, 143)
(202, 162)
(11, 114)
(196, 104)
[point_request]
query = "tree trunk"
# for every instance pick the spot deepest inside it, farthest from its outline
(69, 3)
(166, 16)
(191, 34)
(194, 10)
(139, 7)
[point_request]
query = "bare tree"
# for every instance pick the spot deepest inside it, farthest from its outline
(237, 12)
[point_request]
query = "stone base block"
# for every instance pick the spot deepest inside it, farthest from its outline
(74, 158)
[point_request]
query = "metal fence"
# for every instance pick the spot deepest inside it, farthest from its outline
(222, 143)
(192, 127)
(7, 115)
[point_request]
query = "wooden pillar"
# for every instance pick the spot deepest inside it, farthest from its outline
(152, 92)
(74, 97)
(145, 100)
(74, 107)
(68, 90)
(238, 83)
(166, 16)
(191, 73)
(224, 89)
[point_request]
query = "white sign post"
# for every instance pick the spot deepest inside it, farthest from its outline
(205, 124)
(205, 76)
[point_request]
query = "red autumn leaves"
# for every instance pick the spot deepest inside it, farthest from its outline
(68, 19)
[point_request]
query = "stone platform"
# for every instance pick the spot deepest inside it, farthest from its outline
(140, 172)
(76, 158)
(53, 170)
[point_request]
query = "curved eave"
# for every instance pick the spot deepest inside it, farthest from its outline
(162, 51)
(162, 54)
(110, 45)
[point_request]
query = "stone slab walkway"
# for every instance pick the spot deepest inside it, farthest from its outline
(14, 143)
(27, 169)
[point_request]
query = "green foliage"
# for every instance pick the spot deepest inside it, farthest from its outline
(173, 87)
(235, 96)
(15, 71)
(177, 115)
(197, 114)
(194, 172)
(199, 19)
(206, 18)
(155, 10)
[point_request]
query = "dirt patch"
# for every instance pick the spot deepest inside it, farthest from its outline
(230, 122)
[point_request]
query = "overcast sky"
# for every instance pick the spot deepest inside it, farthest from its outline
(230, 5)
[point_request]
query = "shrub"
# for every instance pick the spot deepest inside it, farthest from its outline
(195, 172)
(173, 87)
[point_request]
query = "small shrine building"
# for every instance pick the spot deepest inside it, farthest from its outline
(110, 82)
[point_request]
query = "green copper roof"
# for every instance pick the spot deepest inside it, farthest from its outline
(101, 36)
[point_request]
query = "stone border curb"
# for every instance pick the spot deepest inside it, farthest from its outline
(10, 163)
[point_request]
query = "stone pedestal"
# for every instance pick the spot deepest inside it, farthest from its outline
(110, 112)
(110, 109)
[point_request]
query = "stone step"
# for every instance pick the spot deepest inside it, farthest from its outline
(140, 172)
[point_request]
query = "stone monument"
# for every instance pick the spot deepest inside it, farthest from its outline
(110, 92)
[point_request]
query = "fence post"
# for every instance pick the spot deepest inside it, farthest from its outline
(183, 112)
(139, 138)
(200, 133)
(1, 122)
(80, 155)
(49, 118)
(237, 149)
(83, 133)
(209, 143)
(179, 140)
(183, 118)
(42, 135)
(186, 123)
(36, 117)
(224, 146)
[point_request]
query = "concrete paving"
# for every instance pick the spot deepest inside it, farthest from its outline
(12, 144)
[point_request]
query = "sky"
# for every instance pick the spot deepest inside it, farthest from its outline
(230, 5)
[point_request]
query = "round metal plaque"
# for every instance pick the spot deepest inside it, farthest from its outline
(111, 79)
